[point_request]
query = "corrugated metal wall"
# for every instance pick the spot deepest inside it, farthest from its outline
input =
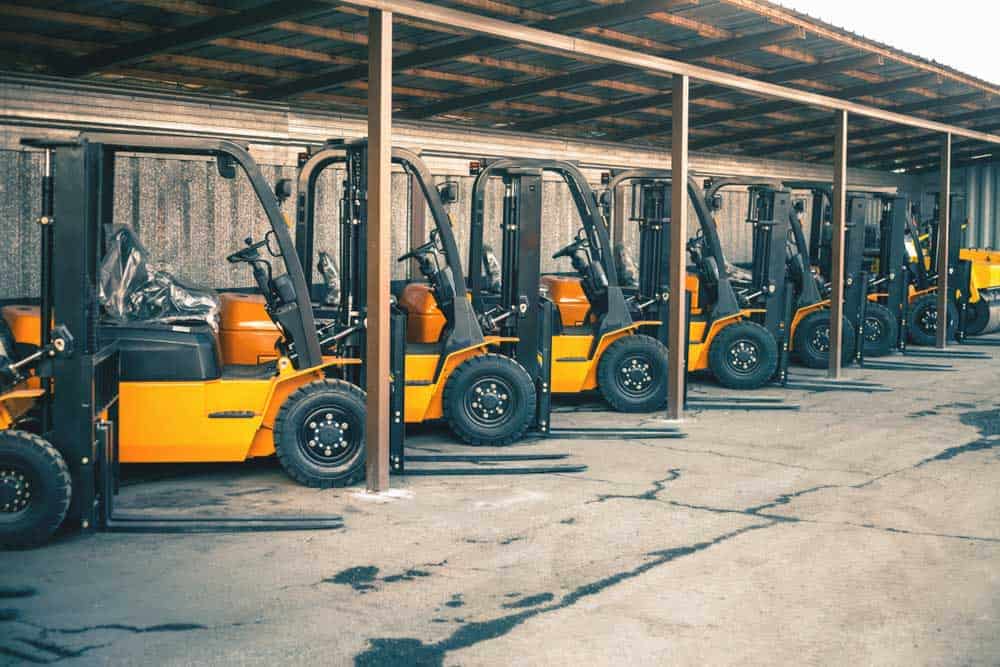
(980, 185)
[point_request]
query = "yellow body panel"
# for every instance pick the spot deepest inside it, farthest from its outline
(424, 401)
(573, 368)
(700, 343)
(247, 335)
(17, 402)
(567, 293)
(24, 323)
(168, 422)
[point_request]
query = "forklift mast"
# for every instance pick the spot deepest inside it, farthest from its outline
(518, 311)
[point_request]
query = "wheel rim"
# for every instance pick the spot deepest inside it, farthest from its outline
(16, 491)
(928, 320)
(873, 329)
(743, 356)
(330, 436)
(489, 402)
(820, 339)
(635, 376)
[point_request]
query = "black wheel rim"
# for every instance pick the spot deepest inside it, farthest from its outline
(873, 329)
(743, 356)
(17, 487)
(927, 320)
(489, 402)
(330, 436)
(636, 375)
(820, 339)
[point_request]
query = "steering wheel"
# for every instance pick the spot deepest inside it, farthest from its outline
(419, 252)
(568, 251)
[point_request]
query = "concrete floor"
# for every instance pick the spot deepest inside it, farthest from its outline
(862, 528)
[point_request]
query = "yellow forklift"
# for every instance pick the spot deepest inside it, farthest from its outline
(85, 386)
(451, 369)
(598, 348)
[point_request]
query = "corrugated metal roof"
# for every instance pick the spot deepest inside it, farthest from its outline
(48, 33)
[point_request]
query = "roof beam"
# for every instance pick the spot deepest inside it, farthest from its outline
(454, 49)
(933, 161)
(882, 131)
(888, 156)
(589, 74)
(193, 35)
(637, 103)
(790, 128)
(775, 106)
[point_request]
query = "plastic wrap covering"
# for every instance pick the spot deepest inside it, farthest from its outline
(133, 290)
(628, 272)
(491, 269)
(331, 279)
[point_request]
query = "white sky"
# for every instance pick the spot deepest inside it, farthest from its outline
(958, 33)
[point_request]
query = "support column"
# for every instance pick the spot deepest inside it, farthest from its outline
(837, 245)
(676, 338)
(379, 246)
(943, 242)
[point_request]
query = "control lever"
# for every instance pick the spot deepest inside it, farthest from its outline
(61, 344)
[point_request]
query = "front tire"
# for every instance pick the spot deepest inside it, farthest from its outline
(923, 320)
(743, 355)
(977, 317)
(319, 434)
(489, 400)
(812, 340)
(881, 330)
(35, 489)
(632, 374)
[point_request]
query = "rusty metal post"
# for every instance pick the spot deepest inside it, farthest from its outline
(837, 245)
(676, 338)
(943, 241)
(379, 246)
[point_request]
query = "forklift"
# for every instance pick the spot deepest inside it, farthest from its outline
(81, 393)
(447, 366)
(598, 349)
(737, 323)
(973, 273)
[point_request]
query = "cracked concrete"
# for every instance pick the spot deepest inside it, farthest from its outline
(859, 529)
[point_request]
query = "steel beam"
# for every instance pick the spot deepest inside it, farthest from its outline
(455, 49)
(677, 324)
(648, 101)
(186, 37)
(837, 245)
(810, 145)
(379, 247)
(744, 112)
(944, 269)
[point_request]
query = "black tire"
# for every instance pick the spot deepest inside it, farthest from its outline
(881, 330)
(743, 355)
(632, 374)
(35, 489)
(509, 406)
(319, 434)
(923, 320)
(977, 317)
(811, 340)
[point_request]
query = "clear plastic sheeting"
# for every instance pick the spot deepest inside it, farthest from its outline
(133, 290)
(331, 279)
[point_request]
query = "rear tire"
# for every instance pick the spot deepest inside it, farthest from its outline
(319, 434)
(812, 340)
(977, 317)
(35, 489)
(923, 320)
(489, 400)
(743, 355)
(881, 330)
(632, 374)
